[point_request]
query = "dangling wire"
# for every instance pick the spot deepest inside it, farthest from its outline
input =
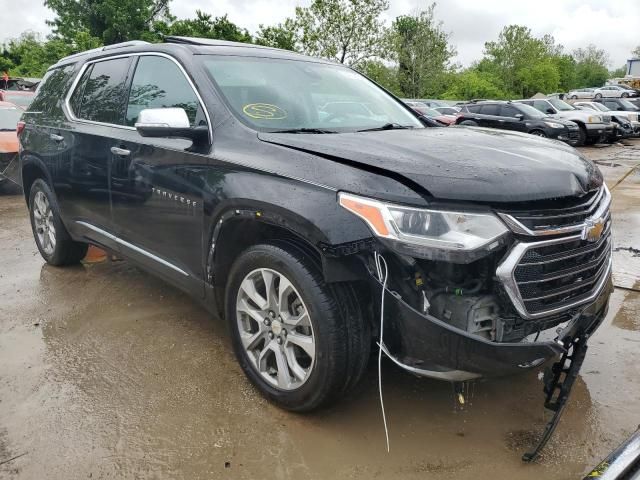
(383, 273)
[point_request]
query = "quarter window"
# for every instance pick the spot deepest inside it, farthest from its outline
(99, 96)
(159, 83)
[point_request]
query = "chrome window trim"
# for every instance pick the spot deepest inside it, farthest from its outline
(506, 274)
(71, 115)
(519, 228)
(131, 246)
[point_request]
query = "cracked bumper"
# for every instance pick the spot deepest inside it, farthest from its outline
(429, 347)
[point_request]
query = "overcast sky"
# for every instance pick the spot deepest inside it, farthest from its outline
(612, 25)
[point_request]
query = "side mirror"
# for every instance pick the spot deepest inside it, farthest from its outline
(168, 123)
(519, 116)
(551, 110)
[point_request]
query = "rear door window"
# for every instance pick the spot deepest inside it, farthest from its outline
(508, 111)
(99, 96)
(159, 83)
(490, 109)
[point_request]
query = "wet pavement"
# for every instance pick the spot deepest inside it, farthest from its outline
(107, 372)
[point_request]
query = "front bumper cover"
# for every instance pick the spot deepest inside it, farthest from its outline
(427, 346)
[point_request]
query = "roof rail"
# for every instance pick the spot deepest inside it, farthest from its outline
(132, 43)
(211, 42)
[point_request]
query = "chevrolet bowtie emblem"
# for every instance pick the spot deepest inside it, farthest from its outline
(592, 230)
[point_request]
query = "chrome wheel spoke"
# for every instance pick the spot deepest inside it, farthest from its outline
(254, 314)
(248, 286)
(284, 377)
(305, 342)
(275, 329)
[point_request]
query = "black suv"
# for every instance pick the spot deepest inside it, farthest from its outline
(519, 118)
(313, 210)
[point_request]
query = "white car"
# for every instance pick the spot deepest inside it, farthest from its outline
(613, 91)
(580, 93)
(632, 117)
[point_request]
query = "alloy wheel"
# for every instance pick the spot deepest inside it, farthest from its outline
(275, 329)
(43, 220)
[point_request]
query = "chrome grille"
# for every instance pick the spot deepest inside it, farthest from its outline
(548, 277)
(555, 221)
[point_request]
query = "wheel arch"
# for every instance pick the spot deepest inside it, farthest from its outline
(33, 168)
(240, 228)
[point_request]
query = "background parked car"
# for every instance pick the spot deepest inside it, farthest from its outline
(430, 102)
(619, 105)
(436, 115)
(581, 93)
(519, 118)
(593, 127)
(9, 116)
(619, 117)
(453, 111)
(21, 98)
(613, 91)
(416, 106)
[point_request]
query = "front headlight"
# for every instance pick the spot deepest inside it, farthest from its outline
(426, 233)
(594, 119)
(554, 125)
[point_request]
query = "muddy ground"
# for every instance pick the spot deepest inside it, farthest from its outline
(106, 372)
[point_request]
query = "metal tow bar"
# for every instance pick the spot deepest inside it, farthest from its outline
(558, 381)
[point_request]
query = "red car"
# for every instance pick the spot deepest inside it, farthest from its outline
(22, 98)
(426, 111)
(9, 116)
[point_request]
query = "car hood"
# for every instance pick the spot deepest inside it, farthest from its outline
(458, 163)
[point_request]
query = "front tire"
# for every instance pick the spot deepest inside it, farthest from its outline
(582, 136)
(51, 236)
(538, 133)
(301, 342)
(625, 94)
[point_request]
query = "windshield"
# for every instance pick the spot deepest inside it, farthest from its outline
(560, 105)
(9, 118)
(628, 105)
(600, 107)
(531, 111)
(272, 94)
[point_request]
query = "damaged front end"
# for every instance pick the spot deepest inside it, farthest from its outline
(495, 292)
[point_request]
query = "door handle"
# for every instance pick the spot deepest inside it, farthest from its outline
(122, 152)
(56, 138)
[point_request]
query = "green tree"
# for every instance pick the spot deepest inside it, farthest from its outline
(514, 55)
(384, 75)
(349, 31)
(282, 35)
(618, 72)
(591, 66)
(636, 52)
(110, 21)
(205, 26)
(473, 83)
(421, 48)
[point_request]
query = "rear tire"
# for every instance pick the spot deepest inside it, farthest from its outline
(574, 97)
(598, 95)
(263, 328)
(51, 236)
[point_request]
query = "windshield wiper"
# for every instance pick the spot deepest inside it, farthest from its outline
(304, 130)
(387, 126)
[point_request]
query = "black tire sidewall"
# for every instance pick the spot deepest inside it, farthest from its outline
(327, 328)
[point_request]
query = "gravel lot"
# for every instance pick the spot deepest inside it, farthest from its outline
(106, 372)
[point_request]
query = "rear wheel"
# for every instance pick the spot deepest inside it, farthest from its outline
(598, 95)
(574, 97)
(302, 342)
(52, 239)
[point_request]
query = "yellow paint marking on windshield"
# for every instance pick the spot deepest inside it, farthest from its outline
(264, 111)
